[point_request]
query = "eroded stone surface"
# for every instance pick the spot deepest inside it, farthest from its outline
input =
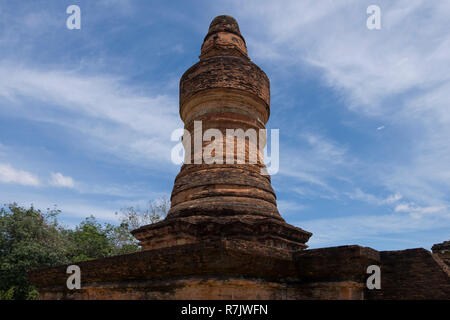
(224, 90)
(259, 230)
(442, 250)
(412, 274)
(219, 269)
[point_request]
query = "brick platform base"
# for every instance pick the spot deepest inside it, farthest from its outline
(224, 269)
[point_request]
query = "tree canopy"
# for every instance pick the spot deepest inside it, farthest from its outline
(31, 239)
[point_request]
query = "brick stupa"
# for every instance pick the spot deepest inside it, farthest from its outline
(224, 90)
(223, 237)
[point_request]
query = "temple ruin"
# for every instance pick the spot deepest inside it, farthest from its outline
(223, 237)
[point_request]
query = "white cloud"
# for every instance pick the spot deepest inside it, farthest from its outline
(324, 148)
(397, 75)
(118, 118)
(58, 180)
(393, 198)
(358, 194)
(312, 163)
(288, 207)
(403, 207)
(369, 66)
(10, 175)
(417, 211)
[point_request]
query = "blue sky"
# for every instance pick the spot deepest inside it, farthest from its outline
(364, 115)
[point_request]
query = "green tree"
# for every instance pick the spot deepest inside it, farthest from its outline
(132, 218)
(90, 240)
(135, 217)
(121, 239)
(29, 239)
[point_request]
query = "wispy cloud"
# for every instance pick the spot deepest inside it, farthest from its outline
(397, 76)
(418, 211)
(358, 194)
(120, 119)
(8, 174)
(314, 163)
(59, 180)
(288, 207)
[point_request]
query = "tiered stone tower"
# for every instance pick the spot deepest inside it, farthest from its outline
(223, 237)
(224, 90)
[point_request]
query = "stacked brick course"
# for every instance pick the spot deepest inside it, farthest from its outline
(224, 237)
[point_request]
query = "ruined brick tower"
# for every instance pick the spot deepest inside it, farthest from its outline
(224, 91)
(224, 237)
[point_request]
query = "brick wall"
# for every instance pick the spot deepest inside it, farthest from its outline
(412, 274)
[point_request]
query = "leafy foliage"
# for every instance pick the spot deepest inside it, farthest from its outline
(29, 239)
(136, 217)
(32, 239)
